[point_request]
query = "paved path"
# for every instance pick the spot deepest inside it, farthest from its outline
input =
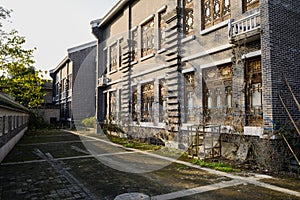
(69, 165)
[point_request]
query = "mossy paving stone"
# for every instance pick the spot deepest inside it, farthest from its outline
(26, 153)
(48, 138)
(43, 136)
(28, 181)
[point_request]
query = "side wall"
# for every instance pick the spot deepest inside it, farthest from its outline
(280, 56)
(84, 83)
(13, 124)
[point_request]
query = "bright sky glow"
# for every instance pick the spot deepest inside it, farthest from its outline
(53, 26)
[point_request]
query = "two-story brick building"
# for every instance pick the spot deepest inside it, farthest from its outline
(165, 64)
(74, 83)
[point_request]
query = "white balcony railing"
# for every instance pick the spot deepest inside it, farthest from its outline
(247, 24)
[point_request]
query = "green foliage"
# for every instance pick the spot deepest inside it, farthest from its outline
(36, 122)
(89, 122)
(215, 165)
(128, 145)
(18, 76)
(133, 143)
(111, 128)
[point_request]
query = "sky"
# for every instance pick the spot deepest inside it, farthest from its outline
(53, 26)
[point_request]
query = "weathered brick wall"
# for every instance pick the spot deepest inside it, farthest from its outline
(280, 55)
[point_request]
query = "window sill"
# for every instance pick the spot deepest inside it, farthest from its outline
(133, 63)
(161, 50)
(215, 27)
(161, 124)
(189, 38)
(113, 71)
(147, 57)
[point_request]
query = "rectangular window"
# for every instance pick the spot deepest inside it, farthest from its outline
(113, 53)
(148, 38)
(134, 46)
(63, 86)
(250, 4)
(120, 52)
(104, 61)
(162, 29)
(1, 126)
(147, 97)
(217, 93)
(10, 125)
(56, 89)
(62, 110)
(189, 96)
(214, 12)
(112, 106)
(162, 100)
(134, 104)
(6, 126)
(70, 81)
(254, 92)
(14, 122)
(119, 111)
(188, 17)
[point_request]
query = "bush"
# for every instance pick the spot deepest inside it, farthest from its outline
(36, 121)
(111, 128)
(89, 122)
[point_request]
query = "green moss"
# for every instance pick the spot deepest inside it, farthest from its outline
(224, 167)
(133, 144)
(89, 122)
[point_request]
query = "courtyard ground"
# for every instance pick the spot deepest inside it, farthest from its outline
(58, 164)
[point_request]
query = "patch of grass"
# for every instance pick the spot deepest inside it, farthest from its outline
(129, 145)
(181, 167)
(220, 166)
(133, 144)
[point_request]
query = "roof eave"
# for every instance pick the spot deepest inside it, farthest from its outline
(113, 12)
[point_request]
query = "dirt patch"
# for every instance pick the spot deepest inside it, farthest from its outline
(241, 192)
(288, 183)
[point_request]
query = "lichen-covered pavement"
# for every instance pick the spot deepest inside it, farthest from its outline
(58, 164)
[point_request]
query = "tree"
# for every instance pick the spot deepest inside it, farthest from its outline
(18, 76)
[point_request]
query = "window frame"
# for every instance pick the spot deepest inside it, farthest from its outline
(217, 84)
(134, 54)
(189, 93)
(149, 49)
(112, 111)
(134, 103)
(110, 64)
(189, 8)
(253, 73)
(147, 112)
(224, 12)
(162, 99)
(162, 26)
(250, 5)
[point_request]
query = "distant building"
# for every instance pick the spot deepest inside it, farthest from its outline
(48, 111)
(47, 88)
(172, 64)
(74, 83)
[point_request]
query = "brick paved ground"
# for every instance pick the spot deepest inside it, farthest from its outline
(58, 165)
